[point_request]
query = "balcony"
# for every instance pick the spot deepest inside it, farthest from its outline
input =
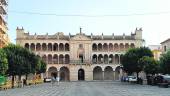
(3, 28)
(3, 9)
(4, 38)
(80, 62)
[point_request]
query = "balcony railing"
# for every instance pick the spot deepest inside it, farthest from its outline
(80, 62)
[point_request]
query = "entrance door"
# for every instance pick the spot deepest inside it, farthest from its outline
(80, 74)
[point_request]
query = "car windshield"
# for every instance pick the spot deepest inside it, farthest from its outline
(167, 77)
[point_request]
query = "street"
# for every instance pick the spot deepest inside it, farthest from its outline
(88, 89)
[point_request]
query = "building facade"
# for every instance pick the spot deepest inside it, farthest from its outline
(4, 40)
(165, 45)
(80, 56)
(156, 50)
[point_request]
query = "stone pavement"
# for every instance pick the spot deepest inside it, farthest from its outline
(88, 89)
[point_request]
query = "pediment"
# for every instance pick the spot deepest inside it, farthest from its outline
(80, 37)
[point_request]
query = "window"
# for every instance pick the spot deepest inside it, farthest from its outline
(80, 45)
(165, 48)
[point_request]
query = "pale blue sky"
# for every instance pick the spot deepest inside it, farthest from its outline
(156, 27)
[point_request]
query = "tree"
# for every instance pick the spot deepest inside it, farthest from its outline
(22, 62)
(165, 63)
(132, 56)
(43, 67)
(151, 66)
(15, 61)
(3, 62)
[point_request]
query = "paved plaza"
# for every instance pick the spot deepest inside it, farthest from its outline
(88, 89)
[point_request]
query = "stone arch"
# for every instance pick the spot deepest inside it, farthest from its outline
(116, 47)
(111, 59)
(121, 46)
(52, 72)
(27, 45)
(110, 47)
(132, 45)
(44, 58)
(67, 59)
(106, 59)
(49, 46)
(61, 47)
(100, 47)
(49, 59)
(64, 74)
(94, 47)
(105, 47)
(94, 59)
(116, 59)
(126, 46)
(55, 59)
(108, 73)
(97, 73)
(67, 47)
(121, 58)
(55, 47)
(117, 73)
(38, 47)
(32, 46)
(100, 59)
(61, 59)
(44, 46)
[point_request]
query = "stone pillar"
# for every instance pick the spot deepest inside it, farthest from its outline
(102, 47)
(40, 47)
(58, 47)
(47, 47)
(108, 59)
(103, 75)
(46, 74)
(97, 59)
(64, 59)
(119, 58)
(114, 60)
(58, 74)
(58, 59)
(114, 75)
(64, 47)
(52, 47)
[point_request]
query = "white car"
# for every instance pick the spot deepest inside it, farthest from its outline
(132, 78)
(47, 79)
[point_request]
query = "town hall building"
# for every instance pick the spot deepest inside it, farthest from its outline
(80, 56)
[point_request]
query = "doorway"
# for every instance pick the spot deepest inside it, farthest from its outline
(81, 58)
(54, 74)
(81, 74)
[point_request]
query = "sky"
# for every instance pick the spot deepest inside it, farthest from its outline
(95, 16)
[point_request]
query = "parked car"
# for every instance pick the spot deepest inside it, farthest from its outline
(166, 79)
(132, 78)
(47, 79)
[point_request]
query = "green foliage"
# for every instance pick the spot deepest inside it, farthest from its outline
(165, 63)
(151, 66)
(22, 61)
(131, 57)
(43, 67)
(3, 62)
